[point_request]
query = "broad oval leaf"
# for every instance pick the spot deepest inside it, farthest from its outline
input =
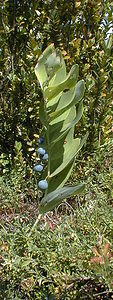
(40, 70)
(69, 82)
(53, 199)
(67, 156)
(69, 99)
(59, 180)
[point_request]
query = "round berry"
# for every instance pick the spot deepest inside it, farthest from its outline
(41, 140)
(43, 184)
(38, 168)
(41, 151)
(45, 157)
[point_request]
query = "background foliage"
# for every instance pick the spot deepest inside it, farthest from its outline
(79, 29)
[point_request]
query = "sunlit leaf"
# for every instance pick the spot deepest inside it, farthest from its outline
(53, 199)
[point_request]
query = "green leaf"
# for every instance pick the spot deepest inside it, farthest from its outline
(53, 63)
(70, 81)
(60, 118)
(53, 199)
(40, 69)
(58, 130)
(51, 105)
(77, 118)
(42, 113)
(109, 42)
(64, 104)
(83, 140)
(73, 98)
(66, 157)
(79, 91)
(59, 76)
(60, 136)
(59, 180)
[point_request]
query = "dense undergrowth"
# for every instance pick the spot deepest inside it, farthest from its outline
(70, 253)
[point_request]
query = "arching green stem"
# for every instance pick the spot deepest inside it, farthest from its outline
(33, 228)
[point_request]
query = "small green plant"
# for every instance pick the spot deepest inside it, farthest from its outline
(60, 110)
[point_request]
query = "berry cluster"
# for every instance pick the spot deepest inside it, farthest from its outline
(42, 184)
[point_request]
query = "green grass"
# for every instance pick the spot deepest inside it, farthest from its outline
(51, 260)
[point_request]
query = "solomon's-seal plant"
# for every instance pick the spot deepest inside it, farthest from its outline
(60, 110)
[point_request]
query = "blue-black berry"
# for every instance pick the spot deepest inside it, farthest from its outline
(41, 151)
(38, 168)
(45, 157)
(41, 140)
(43, 184)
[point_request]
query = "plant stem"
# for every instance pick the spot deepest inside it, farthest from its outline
(47, 135)
(32, 229)
(48, 152)
(48, 175)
